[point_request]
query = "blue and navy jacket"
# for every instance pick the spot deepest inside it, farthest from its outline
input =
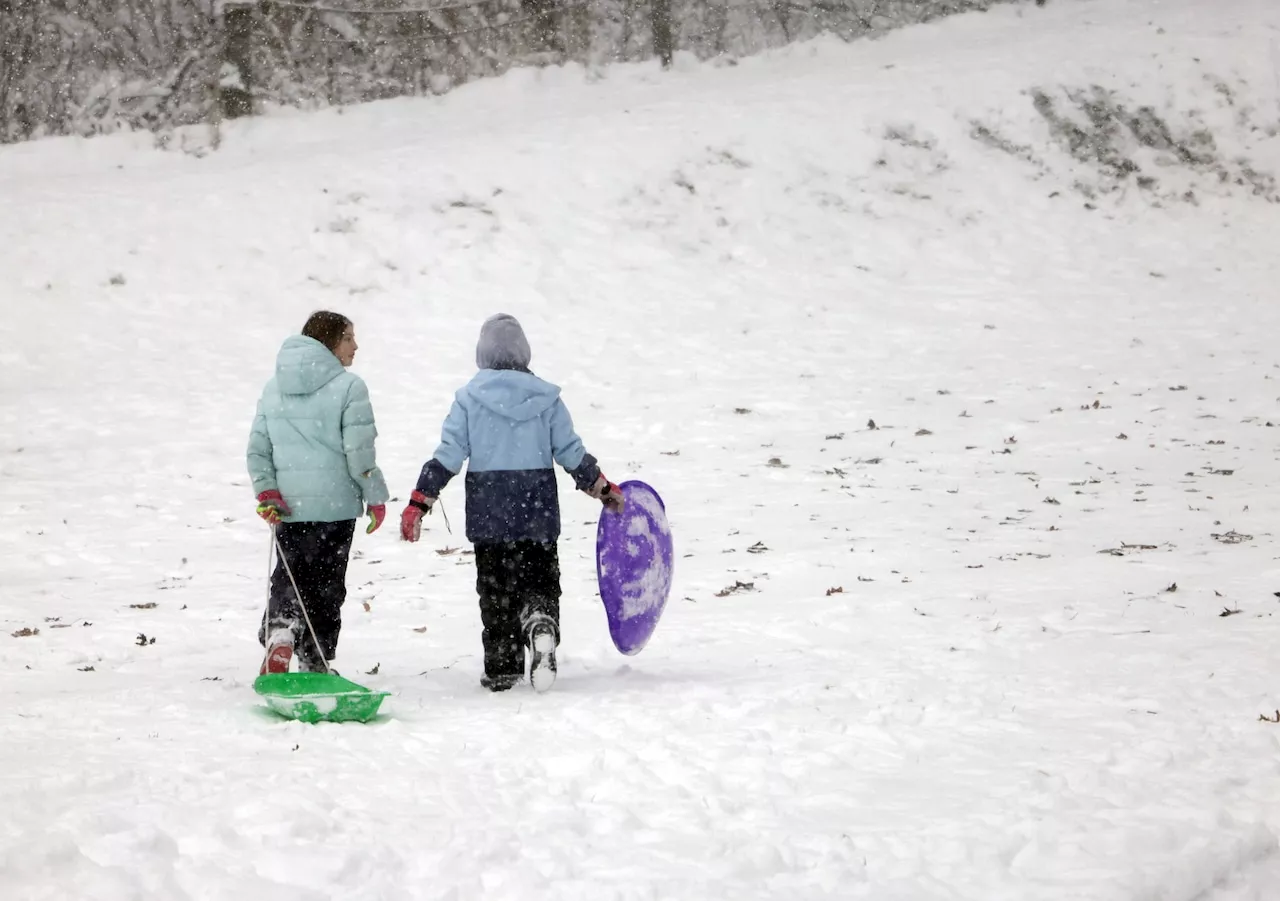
(512, 426)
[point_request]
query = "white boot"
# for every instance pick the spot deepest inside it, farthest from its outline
(541, 637)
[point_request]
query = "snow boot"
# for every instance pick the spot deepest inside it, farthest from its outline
(279, 653)
(541, 633)
(500, 683)
(307, 664)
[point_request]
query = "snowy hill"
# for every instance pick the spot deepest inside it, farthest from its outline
(952, 353)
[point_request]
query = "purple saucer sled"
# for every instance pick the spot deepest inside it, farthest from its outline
(634, 560)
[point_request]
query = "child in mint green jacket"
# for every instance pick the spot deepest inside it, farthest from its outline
(312, 461)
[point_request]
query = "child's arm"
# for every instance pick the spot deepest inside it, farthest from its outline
(569, 452)
(262, 468)
(358, 435)
(455, 447)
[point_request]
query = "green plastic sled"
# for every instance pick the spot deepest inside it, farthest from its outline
(317, 697)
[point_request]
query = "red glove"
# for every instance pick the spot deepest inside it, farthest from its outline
(411, 518)
(271, 506)
(377, 513)
(607, 493)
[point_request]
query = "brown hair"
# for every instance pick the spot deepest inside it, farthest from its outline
(327, 328)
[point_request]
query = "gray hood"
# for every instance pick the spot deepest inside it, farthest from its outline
(502, 344)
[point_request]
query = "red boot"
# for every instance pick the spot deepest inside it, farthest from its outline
(277, 659)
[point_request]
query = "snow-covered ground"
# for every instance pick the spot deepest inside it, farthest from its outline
(958, 667)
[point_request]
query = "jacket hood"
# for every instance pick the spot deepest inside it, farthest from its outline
(511, 393)
(304, 366)
(503, 344)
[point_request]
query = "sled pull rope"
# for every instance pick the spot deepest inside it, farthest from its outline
(271, 546)
(275, 540)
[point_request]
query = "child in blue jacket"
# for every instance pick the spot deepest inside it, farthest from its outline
(511, 425)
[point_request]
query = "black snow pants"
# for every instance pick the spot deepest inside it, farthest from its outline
(317, 552)
(518, 583)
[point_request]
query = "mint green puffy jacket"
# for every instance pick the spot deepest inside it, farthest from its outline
(312, 438)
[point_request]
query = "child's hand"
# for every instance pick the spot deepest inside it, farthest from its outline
(377, 513)
(271, 506)
(411, 518)
(608, 494)
(612, 498)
